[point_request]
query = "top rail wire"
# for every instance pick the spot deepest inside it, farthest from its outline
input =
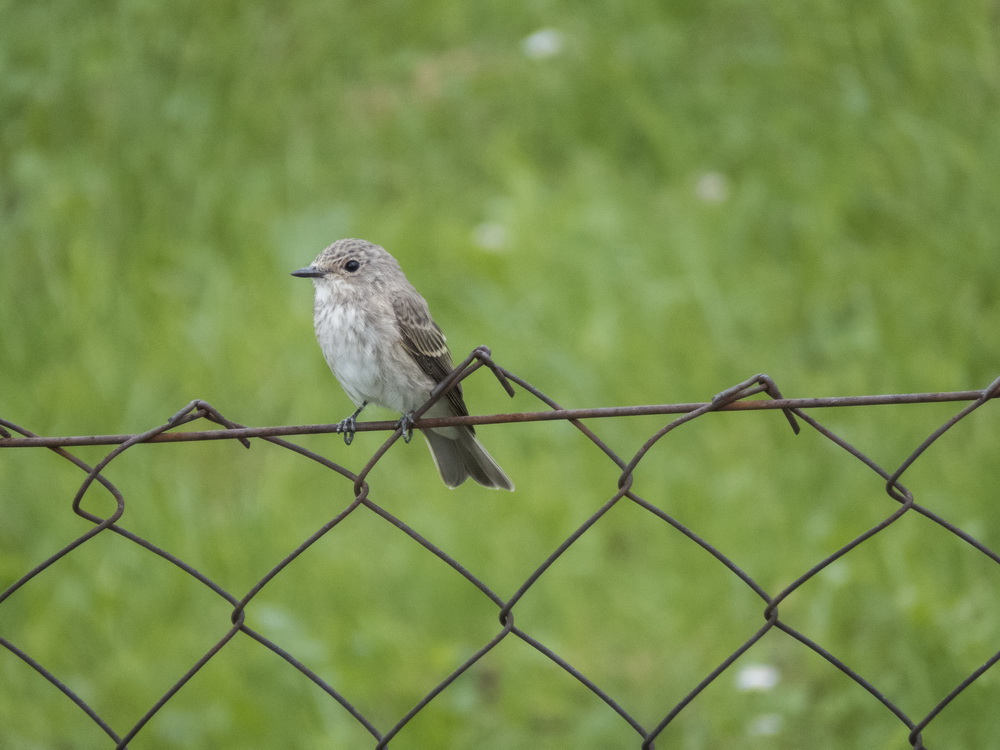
(505, 418)
(13, 436)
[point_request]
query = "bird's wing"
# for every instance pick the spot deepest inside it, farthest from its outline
(426, 344)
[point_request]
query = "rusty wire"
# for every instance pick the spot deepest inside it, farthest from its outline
(11, 436)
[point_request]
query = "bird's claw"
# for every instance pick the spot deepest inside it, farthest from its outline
(347, 428)
(406, 426)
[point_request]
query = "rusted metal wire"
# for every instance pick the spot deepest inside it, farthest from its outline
(732, 399)
(506, 418)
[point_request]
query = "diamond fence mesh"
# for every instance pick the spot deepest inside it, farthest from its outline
(647, 733)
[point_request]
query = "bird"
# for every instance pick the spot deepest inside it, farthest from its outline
(381, 343)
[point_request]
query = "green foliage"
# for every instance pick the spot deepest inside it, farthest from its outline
(665, 200)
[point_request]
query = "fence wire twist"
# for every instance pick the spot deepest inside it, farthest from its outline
(730, 399)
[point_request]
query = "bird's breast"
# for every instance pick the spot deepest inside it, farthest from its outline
(349, 342)
(361, 343)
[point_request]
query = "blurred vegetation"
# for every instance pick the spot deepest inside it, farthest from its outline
(628, 204)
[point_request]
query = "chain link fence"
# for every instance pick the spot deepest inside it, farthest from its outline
(646, 733)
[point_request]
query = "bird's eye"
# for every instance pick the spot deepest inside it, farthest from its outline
(351, 266)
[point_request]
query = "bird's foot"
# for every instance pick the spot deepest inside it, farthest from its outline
(406, 426)
(347, 428)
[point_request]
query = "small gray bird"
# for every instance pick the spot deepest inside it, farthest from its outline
(379, 340)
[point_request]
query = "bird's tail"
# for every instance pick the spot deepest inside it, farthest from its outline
(459, 455)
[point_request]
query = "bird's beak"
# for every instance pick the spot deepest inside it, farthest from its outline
(309, 272)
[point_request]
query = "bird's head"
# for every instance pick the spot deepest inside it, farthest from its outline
(351, 263)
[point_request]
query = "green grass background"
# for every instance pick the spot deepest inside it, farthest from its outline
(163, 166)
